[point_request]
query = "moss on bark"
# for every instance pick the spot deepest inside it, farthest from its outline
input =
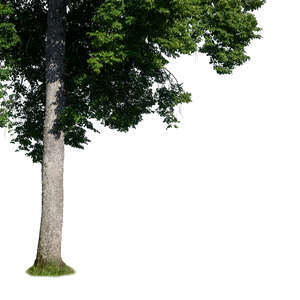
(50, 269)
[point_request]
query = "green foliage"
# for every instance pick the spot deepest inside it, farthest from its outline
(8, 39)
(117, 52)
(229, 28)
(221, 29)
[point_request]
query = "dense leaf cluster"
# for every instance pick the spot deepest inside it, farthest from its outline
(8, 38)
(116, 57)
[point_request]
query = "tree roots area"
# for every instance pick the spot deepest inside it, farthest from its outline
(50, 269)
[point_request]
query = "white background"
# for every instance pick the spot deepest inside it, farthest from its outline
(209, 211)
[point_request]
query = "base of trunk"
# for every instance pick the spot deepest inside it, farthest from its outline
(46, 268)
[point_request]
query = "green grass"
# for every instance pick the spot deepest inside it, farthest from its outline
(50, 269)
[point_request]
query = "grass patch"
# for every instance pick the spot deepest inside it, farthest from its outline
(50, 269)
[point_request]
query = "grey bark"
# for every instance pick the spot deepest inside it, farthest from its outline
(49, 246)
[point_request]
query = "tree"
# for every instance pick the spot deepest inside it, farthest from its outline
(67, 64)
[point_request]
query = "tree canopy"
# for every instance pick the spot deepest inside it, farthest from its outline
(117, 53)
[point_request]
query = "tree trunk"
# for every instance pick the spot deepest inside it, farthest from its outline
(48, 258)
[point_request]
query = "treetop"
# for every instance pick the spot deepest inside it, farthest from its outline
(117, 52)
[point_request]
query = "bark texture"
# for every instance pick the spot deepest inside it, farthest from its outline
(49, 246)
